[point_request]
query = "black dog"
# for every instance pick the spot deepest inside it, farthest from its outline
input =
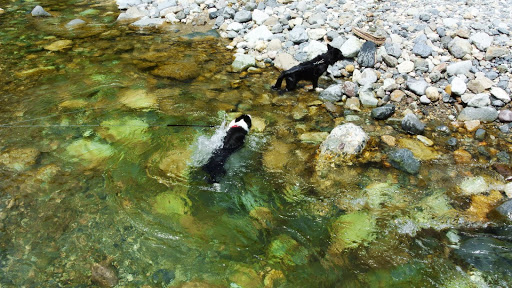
(310, 70)
(234, 140)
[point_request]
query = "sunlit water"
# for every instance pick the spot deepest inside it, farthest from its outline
(91, 173)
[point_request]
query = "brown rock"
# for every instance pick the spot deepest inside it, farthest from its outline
(397, 95)
(461, 156)
(104, 275)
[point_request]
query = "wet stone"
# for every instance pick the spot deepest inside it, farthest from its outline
(412, 125)
(383, 112)
(104, 275)
(403, 159)
(462, 156)
(163, 277)
(39, 11)
(480, 134)
(452, 141)
(505, 209)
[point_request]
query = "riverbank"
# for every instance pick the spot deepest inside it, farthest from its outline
(453, 56)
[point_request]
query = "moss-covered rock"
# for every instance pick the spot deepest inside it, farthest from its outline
(351, 230)
(172, 203)
(287, 251)
(126, 130)
(90, 153)
(138, 99)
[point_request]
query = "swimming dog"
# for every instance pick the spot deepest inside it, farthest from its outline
(310, 70)
(234, 140)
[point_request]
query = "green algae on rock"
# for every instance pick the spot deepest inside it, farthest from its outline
(287, 251)
(172, 203)
(90, 153)
(351, 230)
(138, 99)
(126, 130)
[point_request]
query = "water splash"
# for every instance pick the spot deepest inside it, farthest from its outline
(204, 146)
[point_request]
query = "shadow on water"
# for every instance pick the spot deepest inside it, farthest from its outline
(92, 175)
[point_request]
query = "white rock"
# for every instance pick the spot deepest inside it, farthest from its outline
(500, 94)
(347, 138)
(461, 67)
(480, 100)
(259, 16)
(405, 67)
(235, 26)
(481, 40)
(368, 77)
(316, 34)
(458, 86)
(260, 33)
(274, 45)
(314, 49)
(351, 47)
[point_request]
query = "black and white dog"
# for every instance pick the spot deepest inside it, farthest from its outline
(234, 140)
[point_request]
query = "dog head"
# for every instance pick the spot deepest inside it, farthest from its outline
(243, 121)
(333, 54)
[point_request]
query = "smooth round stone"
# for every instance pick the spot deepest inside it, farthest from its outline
(480, 134)
(432, 94)
(505, 116)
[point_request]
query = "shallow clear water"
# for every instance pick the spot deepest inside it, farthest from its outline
(92, 175)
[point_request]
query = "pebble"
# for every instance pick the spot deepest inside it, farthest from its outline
(500, 94)
(405, 67)
(505, 116)
(458, 86)
(432, 94)
(389, 140)
(471, 125)
(39, 11)
(417, 86)
(462, 156)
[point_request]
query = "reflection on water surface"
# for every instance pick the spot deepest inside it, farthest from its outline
(97, 189)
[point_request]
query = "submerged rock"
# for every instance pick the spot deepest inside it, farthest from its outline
(104, 275)
(126, 130)
(39, 11)
(403, 159)
(352, 230)
(172, 203)
(473, 185)
(138, 99)
(287, 251)
(90, 153)
(19, 158)
(487, 254)
(59, 45)
(505, 210)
